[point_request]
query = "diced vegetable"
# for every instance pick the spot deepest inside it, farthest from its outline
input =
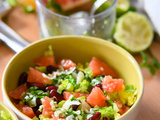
(41, 69)
(49, 52)
(129, 88)
(107, 112)
(83, 88)
(33, 95)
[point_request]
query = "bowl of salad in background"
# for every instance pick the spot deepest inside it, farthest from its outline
(6, 113)
(71, 77)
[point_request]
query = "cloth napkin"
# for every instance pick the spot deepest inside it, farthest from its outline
(152, 9)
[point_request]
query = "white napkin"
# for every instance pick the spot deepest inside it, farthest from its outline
(152, 9)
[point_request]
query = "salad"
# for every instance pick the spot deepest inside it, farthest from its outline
(72, 91)
(4, 115)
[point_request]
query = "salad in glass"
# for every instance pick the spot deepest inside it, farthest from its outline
(72, 91)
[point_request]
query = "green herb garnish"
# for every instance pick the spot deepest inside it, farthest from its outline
(149, 61)
(33, 94)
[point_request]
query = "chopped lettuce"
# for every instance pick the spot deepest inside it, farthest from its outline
(129, 88)
(5, 116)
(42, 69)
(63, 86)
(49, 52)
(88, 73)
(35, 118)
(127, 97)
(83, 88)
(107, 112)
(80, 77)
(66, 85)
(43, 118)
(80, 67)
(71, 80)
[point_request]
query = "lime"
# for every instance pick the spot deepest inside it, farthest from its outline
(122, 7)
(134, 32)
(103, 7)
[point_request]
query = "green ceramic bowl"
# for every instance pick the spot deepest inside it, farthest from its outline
(79, 49)
(7, 111)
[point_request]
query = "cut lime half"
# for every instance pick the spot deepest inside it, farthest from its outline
(122, 7)
(134, 32)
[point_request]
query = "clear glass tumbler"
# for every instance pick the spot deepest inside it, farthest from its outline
(100, 25)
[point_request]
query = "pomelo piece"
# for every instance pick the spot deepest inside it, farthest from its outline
(122, 108)
(45, 61)
(37, 77)
(110, 85)
(18, 92)
(47, 108)
(28, 111)
(100, 68)
(97, 97)
(56, 118)
(67, 5)
(66, 63)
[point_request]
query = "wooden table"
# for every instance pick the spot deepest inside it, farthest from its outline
(27, 26)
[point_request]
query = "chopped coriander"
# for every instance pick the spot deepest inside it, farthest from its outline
(33, 94)
(149, 61)
(97, 80)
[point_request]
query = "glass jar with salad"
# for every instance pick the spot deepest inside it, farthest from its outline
(72, 17)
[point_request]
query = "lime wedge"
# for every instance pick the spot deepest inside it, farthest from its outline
(103, 7)
(122, 7)
(134, 32)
